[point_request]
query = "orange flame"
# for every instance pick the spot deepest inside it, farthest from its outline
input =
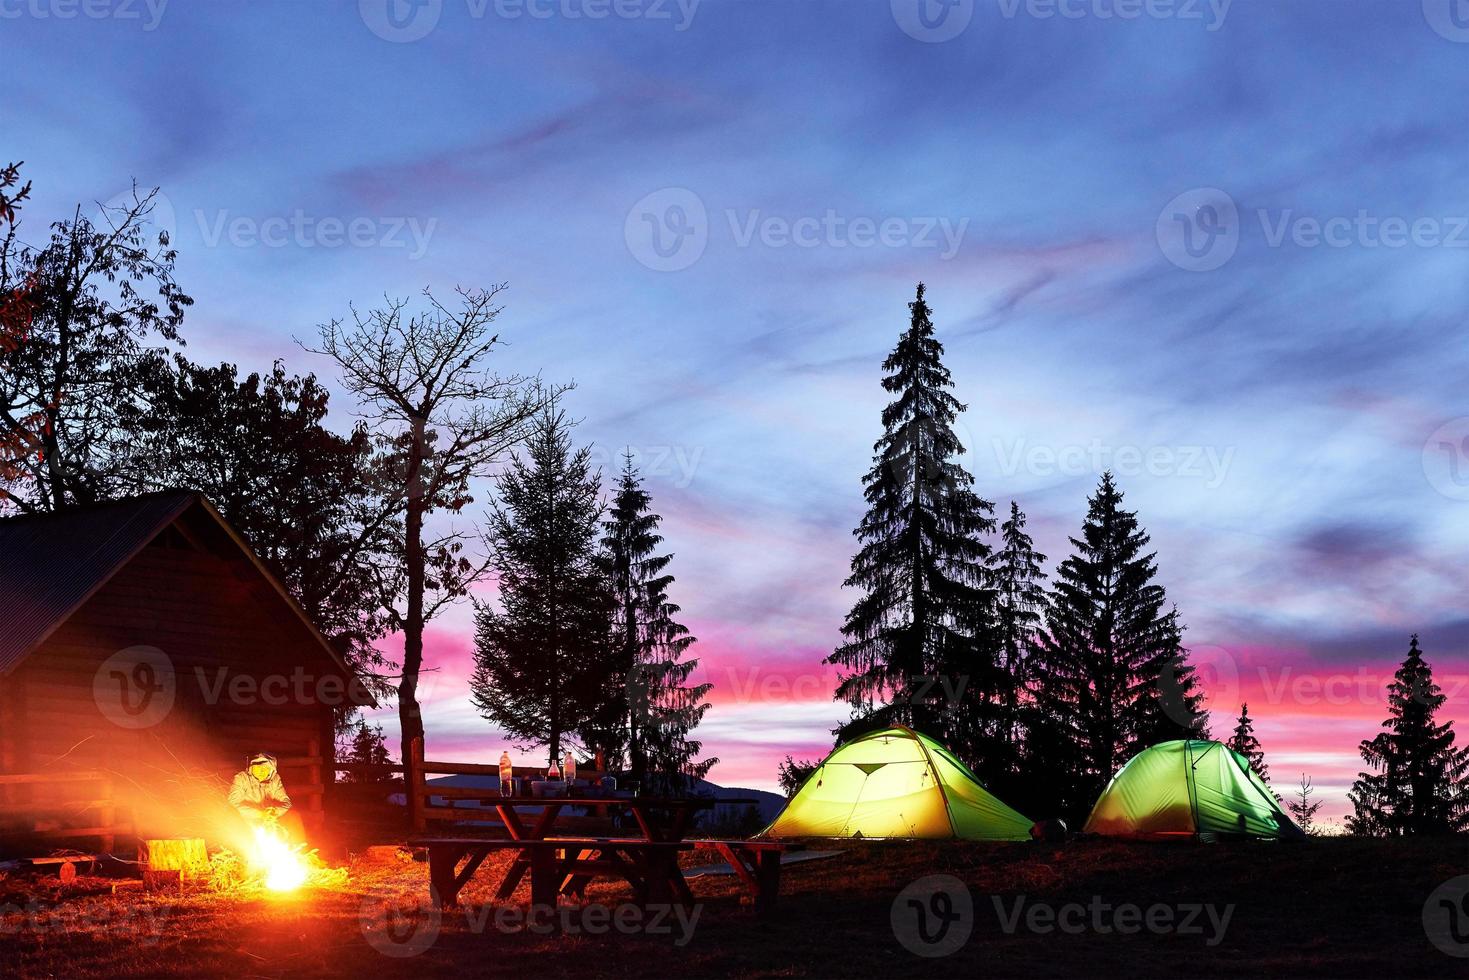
(280, 862)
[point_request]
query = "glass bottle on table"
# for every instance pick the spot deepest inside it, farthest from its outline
(507, 775)
(554, 773)
(570, 767)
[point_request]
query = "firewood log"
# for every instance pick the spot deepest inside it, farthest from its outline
(187, 855)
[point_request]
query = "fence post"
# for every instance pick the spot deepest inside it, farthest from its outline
(415, 785)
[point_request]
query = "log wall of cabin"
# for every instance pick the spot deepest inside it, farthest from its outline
(216, 621)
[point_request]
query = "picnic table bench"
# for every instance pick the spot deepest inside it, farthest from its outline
(560, 866)
(756, 863)
(565, 865)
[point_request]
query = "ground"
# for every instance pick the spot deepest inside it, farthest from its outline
(1328, 908)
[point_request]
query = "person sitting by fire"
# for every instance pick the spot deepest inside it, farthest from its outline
(259, 797)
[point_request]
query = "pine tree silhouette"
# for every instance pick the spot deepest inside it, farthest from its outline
(1110, 675)
(542, 661)
(1244, 742)
(1418, 781)
(921, 565)
(1019, 581)
(650, 707)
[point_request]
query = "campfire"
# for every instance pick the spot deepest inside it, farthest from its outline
(282, 864)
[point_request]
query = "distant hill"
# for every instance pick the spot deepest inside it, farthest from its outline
(769, 805)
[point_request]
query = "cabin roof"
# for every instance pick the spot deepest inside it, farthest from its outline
(51, 564)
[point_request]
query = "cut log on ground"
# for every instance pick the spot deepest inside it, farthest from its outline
(186, 855)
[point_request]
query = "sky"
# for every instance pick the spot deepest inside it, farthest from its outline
(1219, 248)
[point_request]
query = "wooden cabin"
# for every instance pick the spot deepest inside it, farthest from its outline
(145, 651)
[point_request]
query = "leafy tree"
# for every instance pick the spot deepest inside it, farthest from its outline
(443, 419)
(1018, 578)
(542, 661)
(1110, 676)
(19, 432)
(1417, 780)
(650, 708)
(1303, 808)
(87, 314)
(10, 200)
(306, 498)
(921, 565)
(299, 493)
(793, 774)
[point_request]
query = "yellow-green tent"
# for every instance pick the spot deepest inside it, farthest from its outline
(896, 783)
(1189, 789)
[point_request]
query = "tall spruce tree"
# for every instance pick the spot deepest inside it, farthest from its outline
(1418, 781)
(1019, 580)
(921, 562)
(541, 661)
(1243, 741)
(1110, 675)
(649, 708)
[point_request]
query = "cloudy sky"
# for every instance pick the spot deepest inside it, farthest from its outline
(1217, 247)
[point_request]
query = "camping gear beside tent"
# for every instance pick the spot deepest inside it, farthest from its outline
(896, 783)
(1189, 789)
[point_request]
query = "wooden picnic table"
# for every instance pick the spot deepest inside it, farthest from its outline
(566, 864)
(558, 864)
(756, 863)
(649, 812)
(658, 818)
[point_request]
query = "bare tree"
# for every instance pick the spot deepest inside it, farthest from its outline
(443, 419)
(1303, 808)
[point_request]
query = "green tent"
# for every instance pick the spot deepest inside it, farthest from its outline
(1189, 789)
(896, 783)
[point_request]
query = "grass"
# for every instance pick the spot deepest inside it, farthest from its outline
(1328, 908)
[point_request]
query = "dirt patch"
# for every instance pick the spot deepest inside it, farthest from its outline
(1320, 908)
